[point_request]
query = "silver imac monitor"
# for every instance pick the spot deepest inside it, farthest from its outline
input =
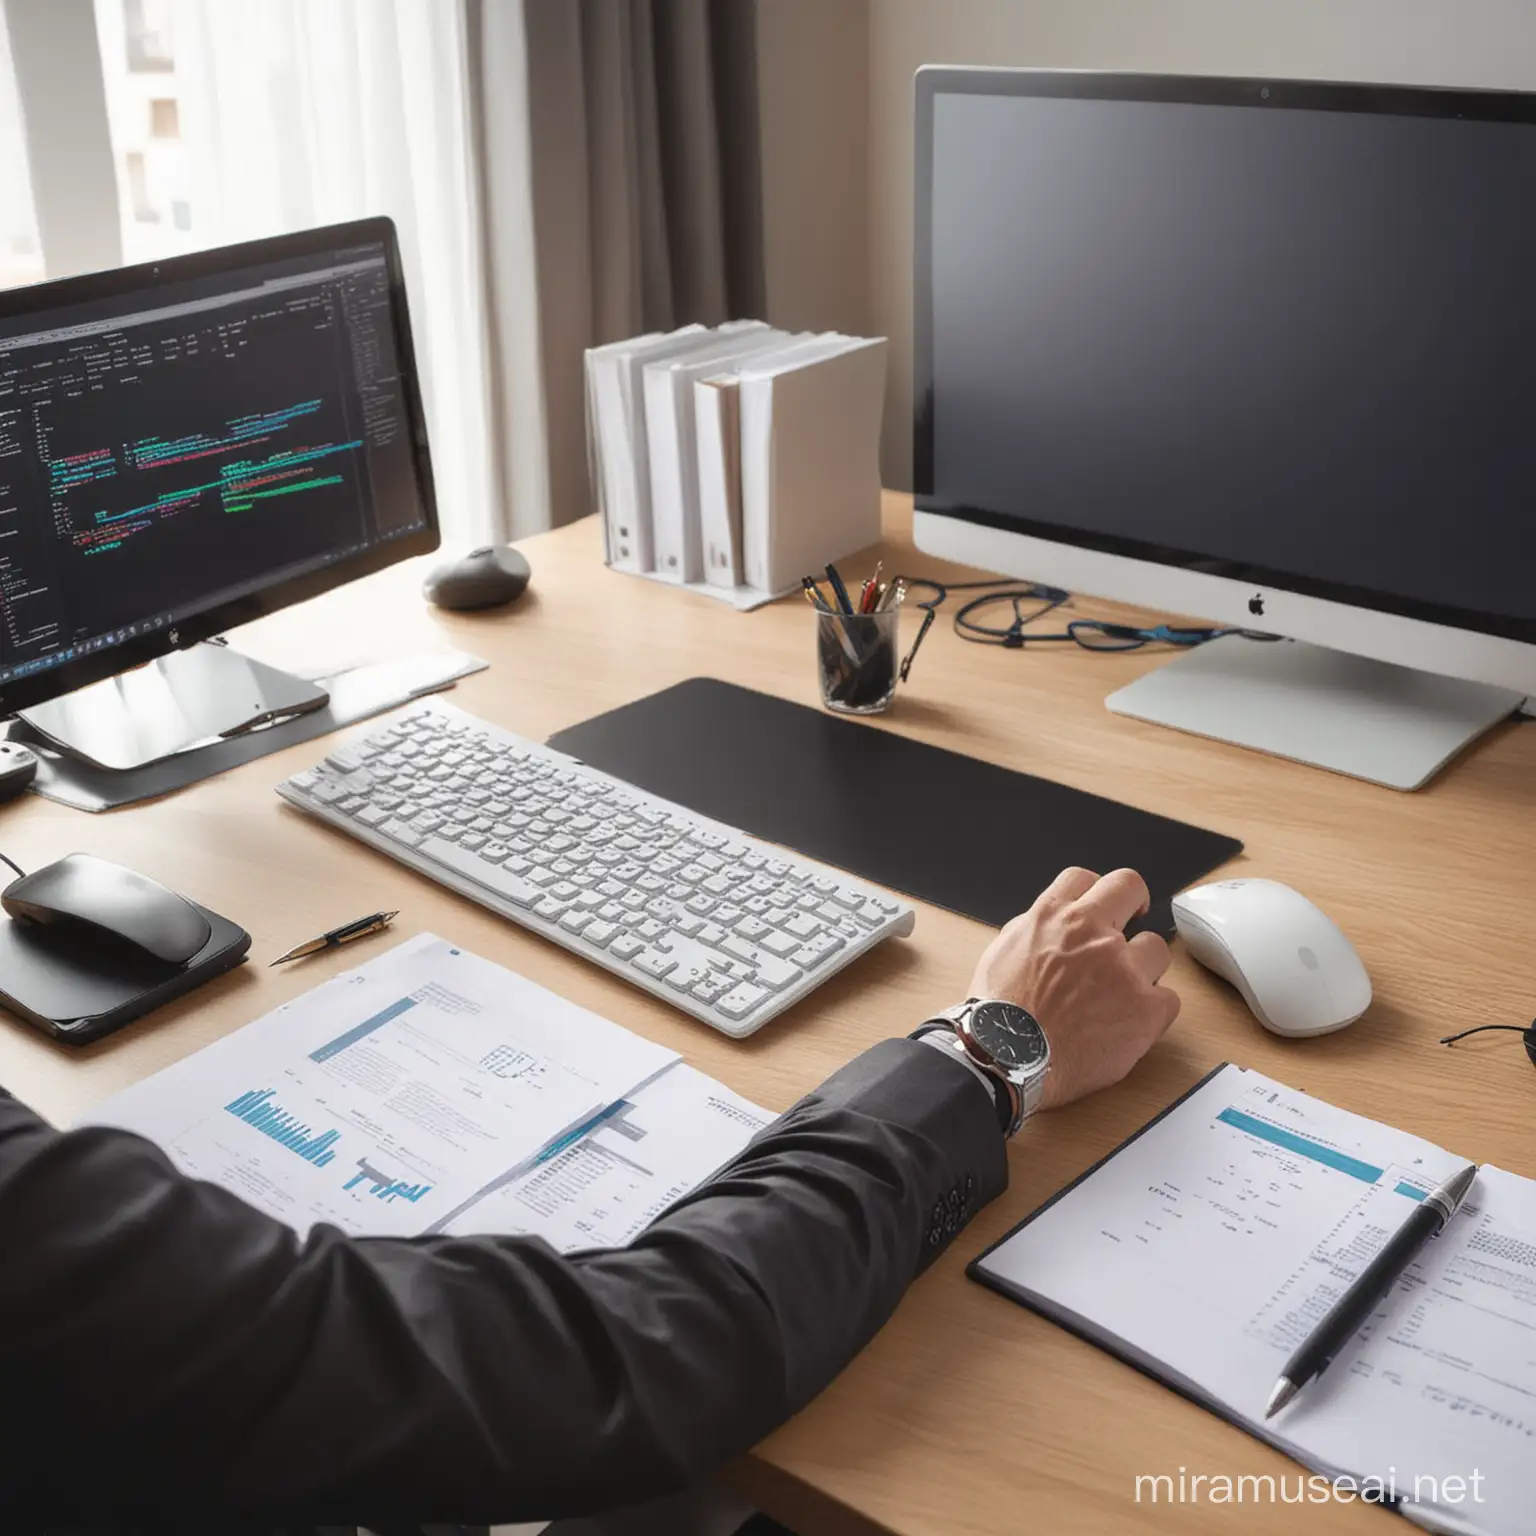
(1261, 352)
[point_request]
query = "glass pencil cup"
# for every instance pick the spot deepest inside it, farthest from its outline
(856, 660)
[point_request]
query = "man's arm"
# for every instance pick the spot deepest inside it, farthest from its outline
(180, 1350)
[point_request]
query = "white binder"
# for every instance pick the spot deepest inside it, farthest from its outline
(810, 458)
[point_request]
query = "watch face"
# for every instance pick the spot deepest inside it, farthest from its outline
(1009, 1036)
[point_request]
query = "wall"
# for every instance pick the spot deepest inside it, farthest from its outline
(1422, 42)
(813, 88)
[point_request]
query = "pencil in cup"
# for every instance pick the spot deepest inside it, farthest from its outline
(856, 660)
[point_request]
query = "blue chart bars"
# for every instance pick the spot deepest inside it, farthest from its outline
(257, 1109)
(384, 1187)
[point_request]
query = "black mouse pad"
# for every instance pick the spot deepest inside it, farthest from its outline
(938, 826)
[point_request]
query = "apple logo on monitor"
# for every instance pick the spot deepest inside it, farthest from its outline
(1256, 604)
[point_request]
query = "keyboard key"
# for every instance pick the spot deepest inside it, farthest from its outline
(753, 928)
(626, 946)
(814, 951)
(551, 907)
(575, 920)
(401, 832)
(599, 932)
(740, 1000)
(654, 962)
(783, 945)
(495, 877)
(712, 988)
(803, 925)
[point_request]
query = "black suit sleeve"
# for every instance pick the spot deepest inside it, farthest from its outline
(180, 1350)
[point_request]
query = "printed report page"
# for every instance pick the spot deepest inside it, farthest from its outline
(1211, 1245)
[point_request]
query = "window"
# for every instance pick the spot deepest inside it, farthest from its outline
(145, 112)
(21, 257)
(148, 49)
(144, 211)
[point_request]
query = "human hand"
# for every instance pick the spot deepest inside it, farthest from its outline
(1093, 992)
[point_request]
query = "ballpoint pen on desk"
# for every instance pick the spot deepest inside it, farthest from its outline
(1349, 1313)
(339, 936)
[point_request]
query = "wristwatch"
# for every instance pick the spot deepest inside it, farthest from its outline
(1007, 1043)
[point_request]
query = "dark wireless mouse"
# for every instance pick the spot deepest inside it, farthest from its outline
(484, 578)
(81, 893)
(18, 767)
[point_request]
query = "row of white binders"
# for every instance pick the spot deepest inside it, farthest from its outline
(735, 459)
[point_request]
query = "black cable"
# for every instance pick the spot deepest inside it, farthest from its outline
(1047, 598)
(5, 858)
(1519, 1029)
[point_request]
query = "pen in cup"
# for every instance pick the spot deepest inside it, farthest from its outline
(839, 591)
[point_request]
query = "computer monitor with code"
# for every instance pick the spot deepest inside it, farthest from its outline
(189, 445)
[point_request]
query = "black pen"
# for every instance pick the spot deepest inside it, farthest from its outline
(1349, 1313)
(339, 936)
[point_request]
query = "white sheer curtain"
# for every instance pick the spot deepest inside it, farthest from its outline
(21, 259)
(304, 112)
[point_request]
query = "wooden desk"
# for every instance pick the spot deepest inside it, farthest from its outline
(967, 1414)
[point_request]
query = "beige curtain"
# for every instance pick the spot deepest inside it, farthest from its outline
(640, 150)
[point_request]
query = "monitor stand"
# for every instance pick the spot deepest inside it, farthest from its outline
(1372, 720)
(180, 701)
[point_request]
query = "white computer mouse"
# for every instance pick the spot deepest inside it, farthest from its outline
(1295, 970)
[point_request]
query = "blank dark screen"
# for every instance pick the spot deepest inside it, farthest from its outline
(1299, 340)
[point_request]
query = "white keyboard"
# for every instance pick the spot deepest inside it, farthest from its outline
(722, 926)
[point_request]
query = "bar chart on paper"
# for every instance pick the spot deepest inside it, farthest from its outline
(388, 1098)
(258, 1108)
(381, 1186)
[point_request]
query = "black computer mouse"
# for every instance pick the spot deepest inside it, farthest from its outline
(81, 893)
(484, 578)
(18, 767)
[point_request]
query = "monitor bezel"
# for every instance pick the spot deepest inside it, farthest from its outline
(1258, 94)
(144, 278)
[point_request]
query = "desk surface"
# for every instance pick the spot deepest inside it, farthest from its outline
(966, 1411)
